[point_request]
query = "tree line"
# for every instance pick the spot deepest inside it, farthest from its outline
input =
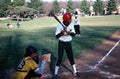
(38, 6)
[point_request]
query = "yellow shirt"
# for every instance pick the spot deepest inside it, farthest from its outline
(24, 67)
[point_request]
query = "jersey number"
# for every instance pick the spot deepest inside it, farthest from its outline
(21, 65)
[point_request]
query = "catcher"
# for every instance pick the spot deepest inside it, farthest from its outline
(31, 66)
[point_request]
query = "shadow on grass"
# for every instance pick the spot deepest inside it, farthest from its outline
(13, 46)
(91, 37)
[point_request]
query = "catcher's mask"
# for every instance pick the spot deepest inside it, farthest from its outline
(30, 50)
(45, 51)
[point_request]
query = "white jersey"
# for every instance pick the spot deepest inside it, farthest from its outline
(65, 37)
(76, 21)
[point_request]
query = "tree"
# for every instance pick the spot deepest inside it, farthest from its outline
(111, 6)
(21, 10)
(3, 6)
(56, 7)
(70, 6)
(18, 2)
(84, 6)
(33, 4)
(98, 7)
(38, 5)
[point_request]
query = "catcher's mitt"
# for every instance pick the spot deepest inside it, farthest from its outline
(46, 57)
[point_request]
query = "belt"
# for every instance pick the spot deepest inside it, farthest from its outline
(64, 41)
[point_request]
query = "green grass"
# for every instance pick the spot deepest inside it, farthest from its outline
(41, 33)
(101, 21)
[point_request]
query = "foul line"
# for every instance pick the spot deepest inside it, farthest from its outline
(109, 75)
(113, 75)
(105, 56)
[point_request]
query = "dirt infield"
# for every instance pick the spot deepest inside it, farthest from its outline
(109, 68)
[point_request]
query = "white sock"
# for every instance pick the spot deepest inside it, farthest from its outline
(74, 68)
(56, 69)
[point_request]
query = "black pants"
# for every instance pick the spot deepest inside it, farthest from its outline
(68, 49)
(77, 29)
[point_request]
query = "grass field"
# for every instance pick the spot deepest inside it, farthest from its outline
(40, 33)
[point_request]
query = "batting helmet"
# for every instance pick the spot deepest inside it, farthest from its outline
(67, 17)
(30, 50)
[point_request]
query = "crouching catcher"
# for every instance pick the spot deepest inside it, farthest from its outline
(31, 65)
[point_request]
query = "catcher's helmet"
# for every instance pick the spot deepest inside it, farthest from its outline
(67, 17)
(45, 51)
(30, 49)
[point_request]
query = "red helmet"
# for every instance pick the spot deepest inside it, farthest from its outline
(67, 17)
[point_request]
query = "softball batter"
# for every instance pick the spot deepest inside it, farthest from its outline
(64, 35)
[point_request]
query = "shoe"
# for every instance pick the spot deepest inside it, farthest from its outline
(78, 74)
(55, 76)
(77, 34)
